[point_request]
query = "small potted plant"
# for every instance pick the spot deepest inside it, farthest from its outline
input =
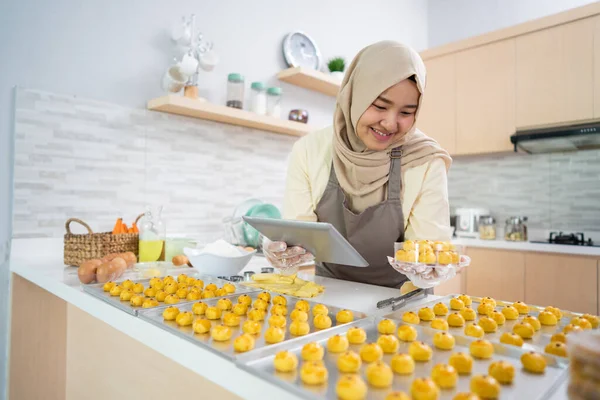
(336, 67)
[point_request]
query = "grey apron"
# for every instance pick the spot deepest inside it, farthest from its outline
(372, 233)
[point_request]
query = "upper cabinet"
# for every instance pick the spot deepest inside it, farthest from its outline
(597, 67)
(554, 74)
(485, 98)
(542, 72)
(437, 117)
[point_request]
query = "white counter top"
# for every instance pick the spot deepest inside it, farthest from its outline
(40, 262)
(529, 246)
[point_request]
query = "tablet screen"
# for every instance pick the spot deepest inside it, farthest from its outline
(320, 238)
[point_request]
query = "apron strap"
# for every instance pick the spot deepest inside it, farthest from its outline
(395, 176)
(332, 178)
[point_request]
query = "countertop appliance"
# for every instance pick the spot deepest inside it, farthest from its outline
(467, 221)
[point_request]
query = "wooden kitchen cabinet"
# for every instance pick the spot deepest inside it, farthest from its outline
(565, 281)
(437, 117)
(485, 98)
(597, 67)
(554, 74)
(496, 273)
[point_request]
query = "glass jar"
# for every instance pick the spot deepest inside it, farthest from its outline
(235, 91)
(153, 233)
(191, 87)
(174, 246)
(274, 102)
(487, 227)
(299, 116)
(258, 98)
(516, 229)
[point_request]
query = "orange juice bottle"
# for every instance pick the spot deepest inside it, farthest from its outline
(152, 236)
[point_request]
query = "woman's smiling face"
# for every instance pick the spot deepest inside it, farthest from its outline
(390, 116)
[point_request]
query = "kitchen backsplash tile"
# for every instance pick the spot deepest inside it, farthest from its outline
(559, 191)
(93, 160)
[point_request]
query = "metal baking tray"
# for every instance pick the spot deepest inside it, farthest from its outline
(525, 385)
(225, 349)
(97, 291)
(539, 341)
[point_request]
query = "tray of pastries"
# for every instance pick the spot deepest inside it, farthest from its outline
(543, 329)
(132, 295)
(237, 324)
(386, 359)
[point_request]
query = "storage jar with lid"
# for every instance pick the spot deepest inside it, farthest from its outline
(516, 229)
(235, 91)
(258, 98)
(274, 102)
(487, 227)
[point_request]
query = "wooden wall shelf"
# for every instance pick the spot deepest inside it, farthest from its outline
(202, 109)
(310, 79)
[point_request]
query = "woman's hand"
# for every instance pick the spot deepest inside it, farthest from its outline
(281, 256)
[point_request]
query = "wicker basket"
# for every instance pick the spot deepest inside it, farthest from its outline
(82, 247)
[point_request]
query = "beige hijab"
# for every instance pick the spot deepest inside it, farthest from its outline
(363, 173)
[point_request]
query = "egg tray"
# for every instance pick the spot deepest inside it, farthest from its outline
(97, 291)
(225, 349)
(539, 341)
(525, 385)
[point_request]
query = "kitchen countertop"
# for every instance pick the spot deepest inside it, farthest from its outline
(44, 267)
(529, 246)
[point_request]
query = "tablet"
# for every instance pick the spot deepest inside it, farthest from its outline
(320, 238)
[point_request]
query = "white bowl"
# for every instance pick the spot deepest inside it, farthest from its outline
(212, 264)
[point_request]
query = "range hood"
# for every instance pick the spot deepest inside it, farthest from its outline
(558, 139)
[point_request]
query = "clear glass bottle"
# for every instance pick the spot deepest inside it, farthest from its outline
(516, 229)
(487, 227)
(235, 91)
(153, 233)
(274, 102)
(258, 98)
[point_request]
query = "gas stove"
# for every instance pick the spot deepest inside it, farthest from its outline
(575, 239)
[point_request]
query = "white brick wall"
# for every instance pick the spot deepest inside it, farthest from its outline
(558, 191)
(94, 160)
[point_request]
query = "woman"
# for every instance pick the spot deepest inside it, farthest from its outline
(374, 175)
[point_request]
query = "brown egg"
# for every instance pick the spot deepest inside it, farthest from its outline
(119, 263)
(103, 273)
(94, 261)
(109, 257)
(86, 274)
(129, 258)
(180, 260)
(112, 272)
(87, 271)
